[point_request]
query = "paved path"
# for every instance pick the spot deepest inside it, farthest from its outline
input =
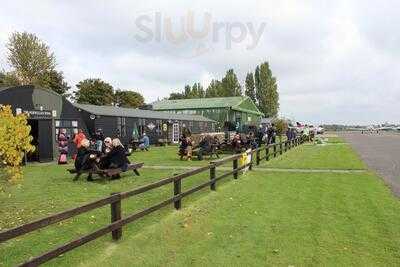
(381, 152)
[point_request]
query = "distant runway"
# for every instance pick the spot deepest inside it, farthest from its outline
(381, 152)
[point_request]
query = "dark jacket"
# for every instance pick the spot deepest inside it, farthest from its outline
(117, 157)
(82, 161)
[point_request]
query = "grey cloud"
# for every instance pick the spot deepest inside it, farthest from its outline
(336, 61)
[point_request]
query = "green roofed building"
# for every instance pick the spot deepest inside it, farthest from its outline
(231, 112)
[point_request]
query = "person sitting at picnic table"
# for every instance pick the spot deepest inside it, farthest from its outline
(98, 138)
(85, 158)
(107, 147)
(185, 147)
(145, 143)
(204, 147)
(216, 143)
(237, 143)
(251, 141)
(116, 158)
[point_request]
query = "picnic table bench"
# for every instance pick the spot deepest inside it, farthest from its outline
(209, 152)
(107, 172)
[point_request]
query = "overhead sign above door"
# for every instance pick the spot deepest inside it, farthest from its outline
(39, 114)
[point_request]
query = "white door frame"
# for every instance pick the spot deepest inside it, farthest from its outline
(175, 133)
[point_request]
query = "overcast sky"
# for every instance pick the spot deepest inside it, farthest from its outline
(335, 61)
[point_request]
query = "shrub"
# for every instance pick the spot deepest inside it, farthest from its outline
(14, 141)
(281, 127)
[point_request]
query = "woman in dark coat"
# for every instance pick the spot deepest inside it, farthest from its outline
(116, 158)
(85, 158)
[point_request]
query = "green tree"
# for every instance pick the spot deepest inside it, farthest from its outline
(230, 85)
(54, 80)
(197, 91)
(194, 91)
(267, 94)
(29, 57)
(174, 96)
(281, 127)
(250, 87)
(128, 99)
(214, 89)
(8, 79)
(95, 92)
(257, 84)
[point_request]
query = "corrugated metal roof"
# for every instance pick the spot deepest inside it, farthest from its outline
(138, 113)
(205, 103)
(215, 102)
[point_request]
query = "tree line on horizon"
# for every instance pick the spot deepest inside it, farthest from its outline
(261, 87)
(32, 63)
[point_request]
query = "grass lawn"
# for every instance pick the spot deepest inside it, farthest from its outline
(48, 188)
(273, 219)
(310, 156)
(166, 156)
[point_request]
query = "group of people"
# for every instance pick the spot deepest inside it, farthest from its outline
(241, 143)
(207, 145)
(99, 152)
(238, 144)
(112, 156)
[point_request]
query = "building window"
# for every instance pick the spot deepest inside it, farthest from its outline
(121, 126)
(70, 126)
(158, 126)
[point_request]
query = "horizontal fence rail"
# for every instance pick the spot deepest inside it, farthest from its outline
(117, 222)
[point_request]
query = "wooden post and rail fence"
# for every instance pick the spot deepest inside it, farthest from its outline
(115, 199)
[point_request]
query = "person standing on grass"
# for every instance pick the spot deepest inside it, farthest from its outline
(63, 147)
(79, 137)
(98, 138)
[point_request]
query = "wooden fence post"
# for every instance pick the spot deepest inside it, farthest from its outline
(212, 176)
(258, 157)
(251, 160)
(274, 150)
(116, 216)
(234, 167)
(280, 148)
(267, 152)
(177, 191)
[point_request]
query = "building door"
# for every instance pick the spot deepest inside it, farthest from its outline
(34, 156)
(45, 140)
(175, 133)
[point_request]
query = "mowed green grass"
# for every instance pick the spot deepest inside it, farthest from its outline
(310, 156)
(262, 219)
(279, 219)
(166, 156)
(47, 189)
